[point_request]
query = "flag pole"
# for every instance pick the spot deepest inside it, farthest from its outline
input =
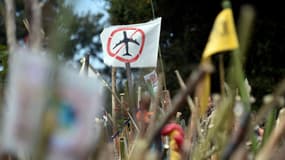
(222, 74)
(159, 51)
(114, 102)
(130, 88)
(225, 4)
(221, 58)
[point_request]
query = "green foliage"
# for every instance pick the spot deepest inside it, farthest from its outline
(71, 32)
(185, 29)
(129, 11)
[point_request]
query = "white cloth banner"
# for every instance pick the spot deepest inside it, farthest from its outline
(136, 44)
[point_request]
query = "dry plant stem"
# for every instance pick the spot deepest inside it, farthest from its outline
(183, 86)
(218, 119)
(10, 25)
(131, 97)
(36, 24)
(268, 149)
(179, 100)
(279, 91)
(237, 137)
(193, 122)
(134, 123)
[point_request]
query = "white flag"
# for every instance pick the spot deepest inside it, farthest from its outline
(136, 44)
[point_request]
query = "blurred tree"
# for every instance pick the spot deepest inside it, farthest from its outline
(66, 33)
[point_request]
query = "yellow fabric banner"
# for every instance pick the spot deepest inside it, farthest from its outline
(223, 35)
(203, 91)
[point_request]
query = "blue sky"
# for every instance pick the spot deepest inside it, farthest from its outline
(93, 6)
(82, 7)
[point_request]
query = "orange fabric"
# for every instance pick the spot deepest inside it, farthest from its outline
(144, 116)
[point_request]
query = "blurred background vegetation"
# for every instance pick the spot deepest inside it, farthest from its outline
(185, 29)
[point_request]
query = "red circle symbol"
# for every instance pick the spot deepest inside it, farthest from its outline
(128, 44)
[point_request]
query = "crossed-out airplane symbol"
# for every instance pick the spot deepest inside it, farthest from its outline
(126, 42)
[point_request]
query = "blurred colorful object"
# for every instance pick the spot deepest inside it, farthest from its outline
(80, 102)
(26, 99)
(176, 137)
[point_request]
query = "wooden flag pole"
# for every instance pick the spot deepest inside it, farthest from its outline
(130, 89)
(221, 61)
(222, 74)
(114, 102)
(159, 51)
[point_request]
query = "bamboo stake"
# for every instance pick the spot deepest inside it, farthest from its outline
(183, 86)
(114, 104)
(139, 96)
(36, 25)
(222, 74)
(130, 89)
(10, 25)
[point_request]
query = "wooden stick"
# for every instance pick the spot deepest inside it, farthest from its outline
(139, 96)
(36, 25)
(159, 51)
(179, 99)
(183, 86)
(222, 74)
(134, 122)
(10, 25)
(114, 104)
(130, 89)
(193, 122)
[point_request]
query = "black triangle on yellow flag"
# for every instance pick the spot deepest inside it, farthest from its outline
(222, 38)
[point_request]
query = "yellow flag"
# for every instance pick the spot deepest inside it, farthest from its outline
(223, 35)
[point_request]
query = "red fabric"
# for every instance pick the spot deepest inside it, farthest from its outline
(169, 128)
